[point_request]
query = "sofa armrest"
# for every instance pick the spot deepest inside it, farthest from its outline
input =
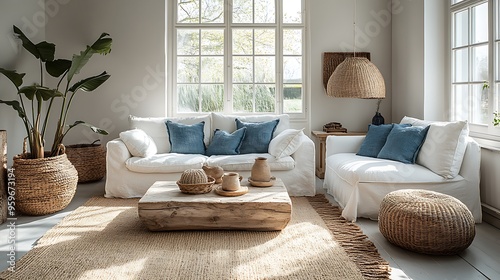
(305, 150)
(343, 144)
(305, 160)
(117, 151)
(472, 160)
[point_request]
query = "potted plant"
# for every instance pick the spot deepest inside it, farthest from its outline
(46, 180)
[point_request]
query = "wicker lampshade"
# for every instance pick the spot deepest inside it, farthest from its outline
(356, 77)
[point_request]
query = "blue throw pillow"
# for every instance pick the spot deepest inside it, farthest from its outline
(403, 143)
(374, 140)
(186, 139)
(257, 136)
(224, 143)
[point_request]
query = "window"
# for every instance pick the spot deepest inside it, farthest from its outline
(471, 60)
(238, 56)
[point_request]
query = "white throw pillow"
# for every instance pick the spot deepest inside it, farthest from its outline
(138, 143)
(444, 147)
(285, 143)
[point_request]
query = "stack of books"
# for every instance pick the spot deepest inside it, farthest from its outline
(334, 127)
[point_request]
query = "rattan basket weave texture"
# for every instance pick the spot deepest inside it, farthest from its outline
(89, 160)
(195, 181)
(426, 222)
(44, 185)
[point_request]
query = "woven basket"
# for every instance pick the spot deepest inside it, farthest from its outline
(44, 185)
(195, 181)
(89, 160)
(426, 222)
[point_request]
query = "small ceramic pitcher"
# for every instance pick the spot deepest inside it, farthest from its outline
(261, 170)
(231, 181)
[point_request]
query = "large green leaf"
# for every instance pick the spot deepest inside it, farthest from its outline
(27, 44)
(39, 92)
(94, 128)
(43, 50)
(15, 104)
(13, 76)
(57, 67)
(46, 51)
(101, 46)
(91, 83)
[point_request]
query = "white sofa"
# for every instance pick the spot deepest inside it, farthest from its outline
(359, 183)
(128, 176)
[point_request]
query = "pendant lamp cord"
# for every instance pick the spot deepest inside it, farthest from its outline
(354, 24)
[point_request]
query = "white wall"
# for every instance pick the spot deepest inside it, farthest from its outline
(436, 62)
(30, 17)
(419, 59)
(136, 62)
(408, 60)
(331, 27)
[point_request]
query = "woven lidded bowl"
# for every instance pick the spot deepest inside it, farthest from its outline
(195, 181)
(426, 222)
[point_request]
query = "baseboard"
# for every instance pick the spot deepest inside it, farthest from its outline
(491, 215)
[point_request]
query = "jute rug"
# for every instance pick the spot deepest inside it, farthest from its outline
(104, 239)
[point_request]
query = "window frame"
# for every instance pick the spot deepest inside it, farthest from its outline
(227, 26)
(486, 134)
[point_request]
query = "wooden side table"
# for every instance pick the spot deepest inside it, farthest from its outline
(321, 151)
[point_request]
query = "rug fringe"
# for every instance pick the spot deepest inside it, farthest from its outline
(359, 248)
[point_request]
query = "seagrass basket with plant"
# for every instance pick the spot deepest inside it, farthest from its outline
(89, 160)
(45, 179)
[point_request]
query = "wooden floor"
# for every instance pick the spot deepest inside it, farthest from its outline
(480, 261)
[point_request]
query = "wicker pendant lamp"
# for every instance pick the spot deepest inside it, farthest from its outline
(356, 77)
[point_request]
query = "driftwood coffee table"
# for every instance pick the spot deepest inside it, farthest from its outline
(164, 207)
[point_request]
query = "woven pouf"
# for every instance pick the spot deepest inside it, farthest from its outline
(426, 222)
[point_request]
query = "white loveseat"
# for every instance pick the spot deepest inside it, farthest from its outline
(359, 183)
(128, 176)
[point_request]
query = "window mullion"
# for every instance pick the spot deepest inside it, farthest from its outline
(279, 83)
(228, 57)
(492, 94)
(470, 105)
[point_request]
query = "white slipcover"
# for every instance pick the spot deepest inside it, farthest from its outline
(360, 183)
(128, 176)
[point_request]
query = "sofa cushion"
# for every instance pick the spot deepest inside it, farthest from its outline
(257, 136)
(286, 143)
(186, 138)
(155, 127)
(224, 143)
(374, 140)
(246, 161)
(165, 163)
(444, 147)
(138, 143)
(356, 169)
(227, 122)
(403, 143)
